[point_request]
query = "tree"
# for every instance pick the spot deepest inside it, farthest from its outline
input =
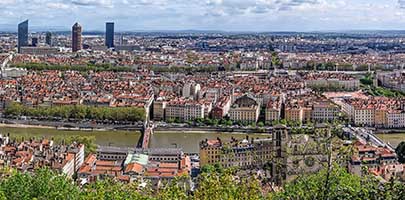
(176, 189)
(43, 184)
(14, 109)
(342, 185)
(110, 189)
(400, 150)
(214, 185)
(88, 141)
(79, 112)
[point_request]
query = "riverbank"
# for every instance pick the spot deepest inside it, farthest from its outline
(207, 132)
(28, 126)
(210, 130)
(88, 126)
(390, 131)
(64, 125)
(3, 125)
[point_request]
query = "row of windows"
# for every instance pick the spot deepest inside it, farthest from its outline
(164, 158)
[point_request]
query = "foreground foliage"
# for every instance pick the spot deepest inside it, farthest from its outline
(340, 185)
(212, 184)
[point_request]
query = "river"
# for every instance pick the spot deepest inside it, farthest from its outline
(189, 141)
(393, 138)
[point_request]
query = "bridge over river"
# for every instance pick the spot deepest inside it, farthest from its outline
(367, 135)
(146, 133)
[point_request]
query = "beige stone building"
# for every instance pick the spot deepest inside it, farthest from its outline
(245, 109)
(325, 111)
(184, 110)
(159, 107)
(236, 153)
(273, 110)
(294, 114)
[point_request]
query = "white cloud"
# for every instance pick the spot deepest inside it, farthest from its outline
(58, 5)
(104, 3)
(5, 2)
(266, 15)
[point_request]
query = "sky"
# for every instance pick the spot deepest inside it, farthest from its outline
(224, 15)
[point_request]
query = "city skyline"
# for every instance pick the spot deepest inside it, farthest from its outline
(223, 15)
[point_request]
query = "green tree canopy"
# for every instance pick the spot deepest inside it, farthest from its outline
(400, 150)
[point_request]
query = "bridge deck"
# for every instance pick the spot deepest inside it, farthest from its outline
(144, 140)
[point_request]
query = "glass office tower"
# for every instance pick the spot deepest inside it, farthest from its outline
(22, 35)
(109, 34)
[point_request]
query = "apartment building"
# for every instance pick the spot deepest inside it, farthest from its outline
(159, 106)
(375, 112)
(39, 50)
(273, 110)
(344, 81)
(378, 161)
(294, 114)
(29, 155)
(245, 109)
(73, 161)
(309, 107)
(222, 108)
(236, 153)
(184, 110)
(325, 111)
(395, 119)
(394, 80)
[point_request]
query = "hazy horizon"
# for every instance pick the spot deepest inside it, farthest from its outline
(216, 15)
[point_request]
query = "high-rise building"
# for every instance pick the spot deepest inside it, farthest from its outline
(22, 35)
(34, 41)
(48, 38)
(109, 34)
(76, 37)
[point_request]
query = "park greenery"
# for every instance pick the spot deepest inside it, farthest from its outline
(81, 68)
(79, 112)
(367, 80)
(380, 91)
(369, 88)
(331, 66)
(275, 60)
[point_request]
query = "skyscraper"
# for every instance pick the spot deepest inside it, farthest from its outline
(22, 35)
(48, 38)
(109, 34)
(76, 37)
